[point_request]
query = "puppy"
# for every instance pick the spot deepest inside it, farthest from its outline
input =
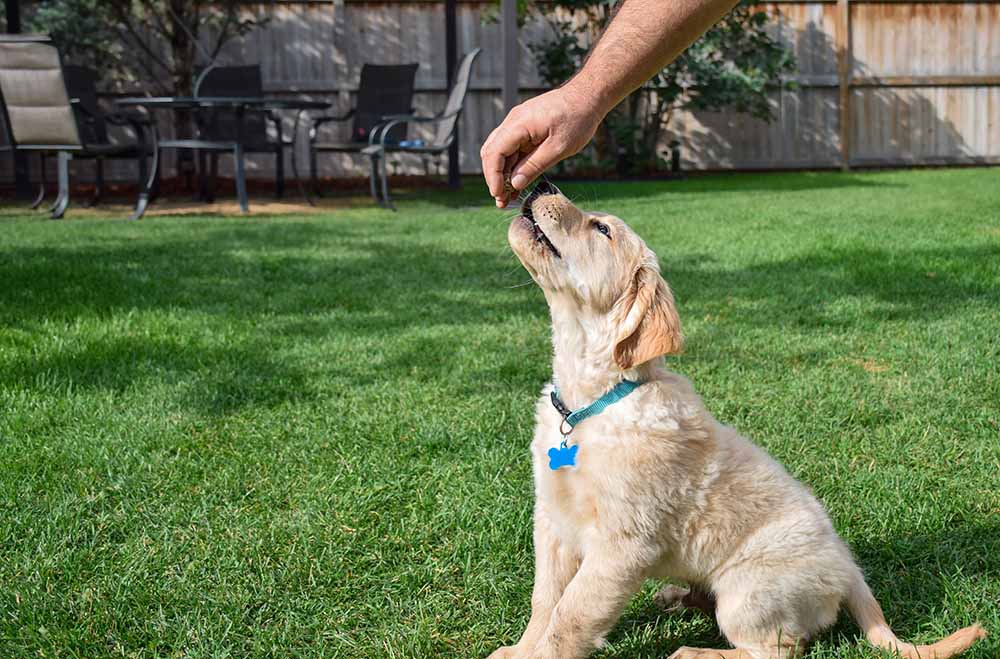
(657, 487)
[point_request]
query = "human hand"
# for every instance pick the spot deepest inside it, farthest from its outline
(536, 135)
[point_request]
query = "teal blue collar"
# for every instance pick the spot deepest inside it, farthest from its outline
(574, 417)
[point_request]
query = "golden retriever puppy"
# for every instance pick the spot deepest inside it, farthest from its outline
(648, 485)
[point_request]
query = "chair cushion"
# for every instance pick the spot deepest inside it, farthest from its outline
(35, 94)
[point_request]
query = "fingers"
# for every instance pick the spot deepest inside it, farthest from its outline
(504, 141)
(536, 162)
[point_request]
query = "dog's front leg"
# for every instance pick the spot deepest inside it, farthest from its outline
(555, 565)
(589, 607)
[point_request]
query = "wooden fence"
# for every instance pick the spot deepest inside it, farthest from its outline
(880, 82)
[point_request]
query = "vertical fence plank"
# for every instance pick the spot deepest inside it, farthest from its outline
(843, 44)
(881, 83)
(511, 64)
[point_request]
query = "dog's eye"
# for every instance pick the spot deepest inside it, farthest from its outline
(603, 228)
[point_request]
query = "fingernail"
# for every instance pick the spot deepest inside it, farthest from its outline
(519, 181)
(500, 203)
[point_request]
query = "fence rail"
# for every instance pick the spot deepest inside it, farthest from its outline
(880, 82)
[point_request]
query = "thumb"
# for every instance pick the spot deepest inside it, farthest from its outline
(531, 167)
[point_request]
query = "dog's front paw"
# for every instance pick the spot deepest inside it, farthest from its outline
(687, 653)
(506, 652)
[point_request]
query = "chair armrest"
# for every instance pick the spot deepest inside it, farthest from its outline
(380, 131)
(128, 118)
(135, 120)
(77, 105)
(405, 117)
(273, 117)
(417, 118)
(324, 119)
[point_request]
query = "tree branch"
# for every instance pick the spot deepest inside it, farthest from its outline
(126, 18)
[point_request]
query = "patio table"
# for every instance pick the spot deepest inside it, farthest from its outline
(240, 106)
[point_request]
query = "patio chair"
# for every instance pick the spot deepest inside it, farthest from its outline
(381, 143)
(221, 125)
(92, 122)
(383, 90)
(40, 115)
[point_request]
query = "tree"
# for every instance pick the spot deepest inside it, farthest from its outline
(158, 44)
(166, 37)
(732, 66)
(152, 42)
(84, 32)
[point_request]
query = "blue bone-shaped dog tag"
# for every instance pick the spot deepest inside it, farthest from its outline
(564, 456)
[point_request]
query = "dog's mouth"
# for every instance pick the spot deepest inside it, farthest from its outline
(536, 230)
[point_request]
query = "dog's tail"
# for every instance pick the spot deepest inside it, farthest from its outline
(868, 614)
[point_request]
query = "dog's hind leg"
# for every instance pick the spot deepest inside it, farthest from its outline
(673, 598)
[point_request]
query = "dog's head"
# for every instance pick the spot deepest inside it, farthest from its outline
(595, 266)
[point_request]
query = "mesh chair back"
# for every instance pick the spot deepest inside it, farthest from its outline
(235, 81)
(34, 95)
(456, 98)
(383, 90)
(81, 83)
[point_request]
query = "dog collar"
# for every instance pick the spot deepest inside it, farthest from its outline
(565, 456)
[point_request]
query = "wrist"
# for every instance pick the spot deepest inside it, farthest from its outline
(585, 92)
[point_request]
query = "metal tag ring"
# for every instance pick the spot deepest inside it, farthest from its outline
(565, 433)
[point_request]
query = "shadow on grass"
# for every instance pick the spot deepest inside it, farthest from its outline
(376, 285)
(216, 380)
(592, 194)
(382, 285)
(263, 284)
(313, 281)
(904, 284)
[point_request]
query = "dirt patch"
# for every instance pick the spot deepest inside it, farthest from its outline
(871, 365)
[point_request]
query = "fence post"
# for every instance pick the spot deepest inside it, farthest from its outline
(511, 64)
(844, 63)
(451, 60)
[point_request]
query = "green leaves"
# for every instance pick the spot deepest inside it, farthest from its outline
(734, 66)
(149, 42)
(84, 32)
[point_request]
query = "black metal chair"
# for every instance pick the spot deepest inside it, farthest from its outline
(93, 121)
(42, 117)
(222, 125)
(384, 89)
(382, 141)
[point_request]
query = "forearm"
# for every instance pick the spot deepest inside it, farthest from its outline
(642, 38)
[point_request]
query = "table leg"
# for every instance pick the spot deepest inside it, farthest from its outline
(146, 192)
(62, 200)
(241, 178)
(295, 160)
(41, 186)
(241, 174)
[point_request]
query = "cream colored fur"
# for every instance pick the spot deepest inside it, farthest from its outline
(662, 489)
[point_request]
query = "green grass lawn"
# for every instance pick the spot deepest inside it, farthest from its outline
(307, 436)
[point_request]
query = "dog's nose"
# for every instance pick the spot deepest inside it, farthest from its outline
(543, 188)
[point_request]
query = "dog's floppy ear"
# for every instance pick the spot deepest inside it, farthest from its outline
(649, 326)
